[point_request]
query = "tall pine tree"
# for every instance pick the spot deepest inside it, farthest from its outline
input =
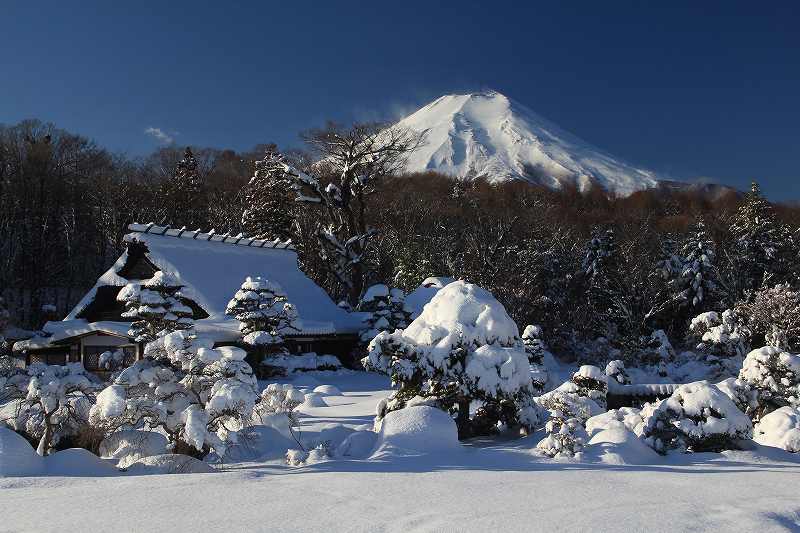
(185, 195)
(763, 246)
(605, 298)
(269, 206)
(700, 288)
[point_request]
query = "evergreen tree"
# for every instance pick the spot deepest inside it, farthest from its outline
(157, 307)
(763, 247)
(185, 195)
(700, 289)
(269, 206)
(388, 311)
(605, 298)
(265, 315)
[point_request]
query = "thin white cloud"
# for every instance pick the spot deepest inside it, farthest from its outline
(160, 135)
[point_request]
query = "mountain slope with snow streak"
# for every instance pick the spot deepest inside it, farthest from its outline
(487, 134)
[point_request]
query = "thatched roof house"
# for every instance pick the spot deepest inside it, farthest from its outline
(211, 267)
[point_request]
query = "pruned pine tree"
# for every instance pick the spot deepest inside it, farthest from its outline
(185, 195)
(269, 203)
(265, 315)
(388, 311)
(700, 287)
(605, 299)
(157, 307)
(199, 397)
(763, 250)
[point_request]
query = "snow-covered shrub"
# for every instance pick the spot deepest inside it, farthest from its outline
(388, 311)
(616, 371)
(535, 347)
(111, 360)
(285, 364)
(745, 398)
(462, 348)
(265, 316)
(780, 428)
(629, 418)
(774, 376)
(157, 307)
(52, 402)
(723, 336)
(697, 417)
(128, 446)
(592, 383)
(656, 348)
(773, 317)
(566, 436)
(279, 399)
(198, 396)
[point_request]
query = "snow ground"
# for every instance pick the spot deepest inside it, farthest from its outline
(492, 484)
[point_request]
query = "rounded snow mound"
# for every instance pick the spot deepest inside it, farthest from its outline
(620, 446)
(169, 463)
(327, 390)
(77, 462)
(420, 429)
(462, 311)
(314, 399)
(357, 445)
(781, 429)
(131, 445)
(17, 456)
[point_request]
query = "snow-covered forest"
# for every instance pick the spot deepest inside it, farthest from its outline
(565, 341)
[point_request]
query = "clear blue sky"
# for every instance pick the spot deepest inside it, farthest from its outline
(694, 89)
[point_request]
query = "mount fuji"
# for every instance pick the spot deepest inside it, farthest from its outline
(488, 135)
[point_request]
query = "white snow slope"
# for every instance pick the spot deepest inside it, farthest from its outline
(488, 134)
(488, 485)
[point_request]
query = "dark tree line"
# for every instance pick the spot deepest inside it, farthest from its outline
(581, 265)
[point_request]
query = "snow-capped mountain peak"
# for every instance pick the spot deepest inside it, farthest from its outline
(488, 134)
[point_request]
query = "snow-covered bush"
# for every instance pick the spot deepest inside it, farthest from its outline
(773, 317)
(52, 402)
(200, 397)
(388, 311)
(566, 436)
(697, 417)
(462, 348)
(279, 399)
(616, 371)
(774, 376)
(722, 336)
(592, 383)
(656, 348)
(265, 315)
(111, 360)
(780, 428)
(157, 307)
(535, 347)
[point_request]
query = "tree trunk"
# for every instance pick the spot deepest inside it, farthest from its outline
(462, 420)
(44, 443)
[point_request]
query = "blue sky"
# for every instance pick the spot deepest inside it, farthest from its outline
(692, 89)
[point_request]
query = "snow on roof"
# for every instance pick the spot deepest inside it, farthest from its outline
(65, 329)
(212, 268)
